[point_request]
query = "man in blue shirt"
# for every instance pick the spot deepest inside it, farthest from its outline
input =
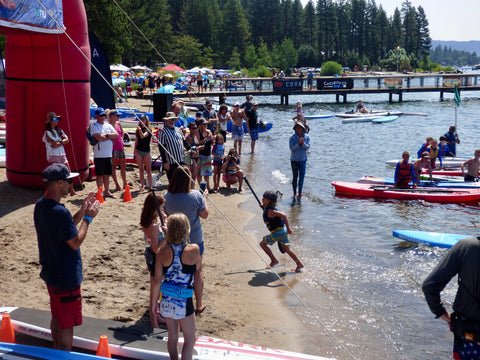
(59, 243)
(299, 145)
(452, 139)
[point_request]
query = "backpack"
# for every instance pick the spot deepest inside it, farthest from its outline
(90, 137)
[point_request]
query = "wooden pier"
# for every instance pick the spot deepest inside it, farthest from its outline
(392, 85)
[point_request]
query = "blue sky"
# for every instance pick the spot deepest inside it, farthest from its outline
(448, 20)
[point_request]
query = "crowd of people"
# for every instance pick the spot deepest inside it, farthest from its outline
(408, 174)
(170, 222)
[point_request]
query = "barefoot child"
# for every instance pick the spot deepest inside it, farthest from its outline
(218, 155)
(473, 166)
(278, 225)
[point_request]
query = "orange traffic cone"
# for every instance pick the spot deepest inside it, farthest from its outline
(6, 332)
(127, 197)
(103, 349)
(99, 196)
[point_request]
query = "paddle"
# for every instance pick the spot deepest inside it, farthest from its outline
(280, 247)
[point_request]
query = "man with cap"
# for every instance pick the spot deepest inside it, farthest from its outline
(210, 115)
(252, 125)
(171, 144)
(59, 243)
(104, 133)
(423, 163)
(452, 139)
(299, 145)
(238, 116)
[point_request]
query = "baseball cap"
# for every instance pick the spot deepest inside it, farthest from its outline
(57, 172)
(237, 104)
(198, 114)
(425, 154)
(299, 123)
(113, 112)
(100, 111)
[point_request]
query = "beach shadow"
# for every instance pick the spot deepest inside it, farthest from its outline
(262, 277)
(15, 197)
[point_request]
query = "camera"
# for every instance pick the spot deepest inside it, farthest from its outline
(193, 149)
(203, 186)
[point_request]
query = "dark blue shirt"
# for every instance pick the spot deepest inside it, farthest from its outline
(61, 265)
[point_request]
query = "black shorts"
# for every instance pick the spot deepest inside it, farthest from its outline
(103, 166)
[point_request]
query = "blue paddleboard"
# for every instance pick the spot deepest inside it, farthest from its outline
(17, 351)
(429, 238)
(384, 119)
(268, 126)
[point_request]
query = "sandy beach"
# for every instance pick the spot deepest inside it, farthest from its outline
(244, 302)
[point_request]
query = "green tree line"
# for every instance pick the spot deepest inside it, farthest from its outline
(445, 55)
(258, 33)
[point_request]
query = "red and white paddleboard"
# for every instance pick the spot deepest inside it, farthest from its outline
(138, 342)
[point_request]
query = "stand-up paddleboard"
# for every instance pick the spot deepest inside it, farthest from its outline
(429, 238)
(362, 119)
(376, 113)
(385, 119)
(422, 183)
(18, 352)
(447, 162)
(136, 342)
(319, 116)
(268, 126)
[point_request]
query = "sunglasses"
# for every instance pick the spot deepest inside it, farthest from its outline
(57, 119)
(193, 128)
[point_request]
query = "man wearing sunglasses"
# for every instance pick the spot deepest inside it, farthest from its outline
(59, 243)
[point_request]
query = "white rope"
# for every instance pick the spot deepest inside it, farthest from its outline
(253, 248)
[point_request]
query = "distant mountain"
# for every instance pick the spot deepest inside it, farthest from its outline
(469, 46)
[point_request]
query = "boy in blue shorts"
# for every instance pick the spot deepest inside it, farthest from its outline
(279, 227)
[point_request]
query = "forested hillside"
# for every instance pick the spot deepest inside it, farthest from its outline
(253, 33)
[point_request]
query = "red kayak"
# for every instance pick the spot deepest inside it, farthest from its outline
(440, 195)
(456, 172)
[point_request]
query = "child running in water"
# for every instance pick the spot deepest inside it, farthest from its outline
(278, 225)
(218, 154)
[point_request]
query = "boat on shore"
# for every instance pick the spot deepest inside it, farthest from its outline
(439, 195)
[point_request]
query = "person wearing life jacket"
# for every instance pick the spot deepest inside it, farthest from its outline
(434, 152)
(424, 147)
(404, 172)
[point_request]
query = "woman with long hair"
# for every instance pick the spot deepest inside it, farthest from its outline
(153, 232)
(180, 264)
(179, 198)
(143, 136)
(193, 140)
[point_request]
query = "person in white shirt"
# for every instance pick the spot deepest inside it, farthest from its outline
(104, 133)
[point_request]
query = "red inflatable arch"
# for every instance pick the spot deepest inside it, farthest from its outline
(47, 73)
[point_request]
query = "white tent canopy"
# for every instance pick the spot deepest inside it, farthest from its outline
(141, 67)
(119, 67)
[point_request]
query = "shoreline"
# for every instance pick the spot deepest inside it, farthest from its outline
(242, 302)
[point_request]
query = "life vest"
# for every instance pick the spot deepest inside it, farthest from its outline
(272, 223)
(404, 174)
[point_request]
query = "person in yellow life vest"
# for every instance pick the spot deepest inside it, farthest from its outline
(404, 172)
(434, 152)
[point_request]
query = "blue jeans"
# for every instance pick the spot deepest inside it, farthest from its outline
(298, 170)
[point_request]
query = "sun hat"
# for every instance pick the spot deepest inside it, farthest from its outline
(51, 115)
(170, 116)
(57, 172)
(100, 111)
(299, 123)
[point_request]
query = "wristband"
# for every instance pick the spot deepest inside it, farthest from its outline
(88, 218)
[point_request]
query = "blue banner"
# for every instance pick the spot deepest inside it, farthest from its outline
(287, 85)
(100, 91)
(45, 16)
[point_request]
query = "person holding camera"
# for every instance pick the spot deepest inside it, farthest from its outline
(299, 145)
(231, 170)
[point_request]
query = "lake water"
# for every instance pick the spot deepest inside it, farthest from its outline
(361, 287)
